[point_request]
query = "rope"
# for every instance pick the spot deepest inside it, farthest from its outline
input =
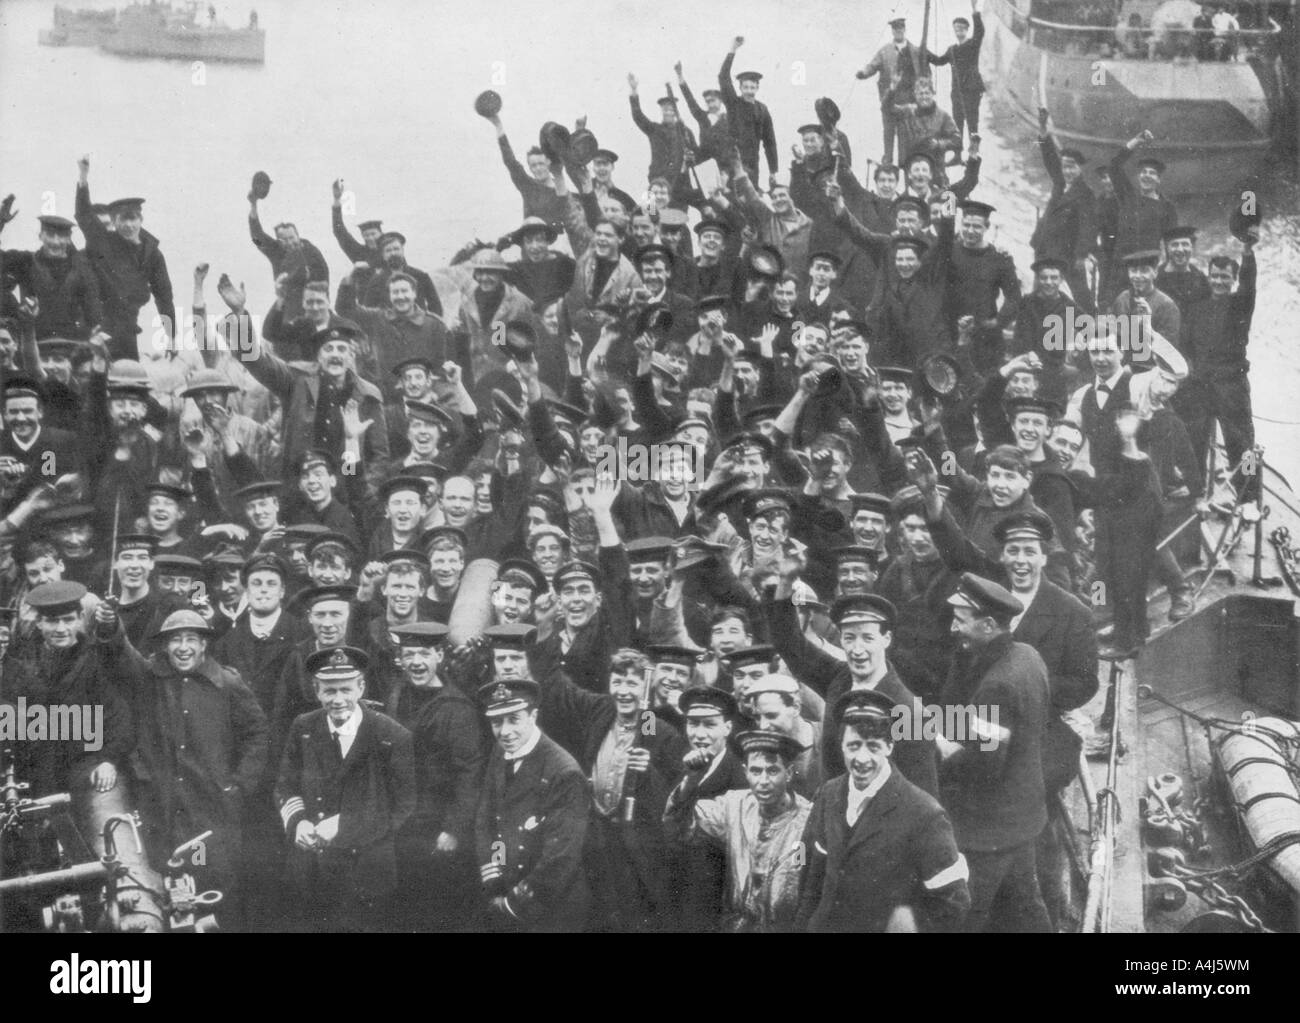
(1275, 422)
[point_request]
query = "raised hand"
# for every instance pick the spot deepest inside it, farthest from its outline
(632, 82)
(921, 471)
(200, 274)
(354, 427)
(234, 297)
(337, 189)
(7, 211)
(737, 43)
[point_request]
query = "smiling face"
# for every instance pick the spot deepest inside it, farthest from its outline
(329, 621)
(853, 578)
(401, 590)
(605, 241)
(1030, 430)
(869, 528)
(627, 688)
(287, 235)
(457, 501)
(328, 569)
(186, 649)
(55, 244)
(419, 663)
(648, 578)
(768, 534)
(729, 635)
(1222, 280)
(404, 511)
(126, 413)
(512, 603)
(22, 417)
(164, 514)
(128, 225)
(45, 568)
(1142, 278)
(513, 731)
(539, 167)
(1024, 561)
(708, 733)
(548, 554)
(340, 697)
(265, 591)
(654, 274)
(74, 539)
(851, 350)
(1067, 442)
(974, 226)
(133, 567)
(1006, 486)
(446, 566)
(906, 262)
(401, 296)
(972, 629)
(578, 602)
(263, 513)
(916, 535)
(1148, 179)
(317, 484)
(1180, 252)
(865, 646)
(781, 200)
(776, 712)
(784, 296)
(864, 758)
(711, 243)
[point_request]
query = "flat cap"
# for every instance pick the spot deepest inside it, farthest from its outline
(986, 597)
(511, 637)
(50, 600)
(864, 609)
(707, 701)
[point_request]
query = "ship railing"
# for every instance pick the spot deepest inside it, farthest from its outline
(1168, 43)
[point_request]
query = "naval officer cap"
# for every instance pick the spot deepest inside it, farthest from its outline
(508, 696)
(576, 572)
(337, 664)
(986, 597)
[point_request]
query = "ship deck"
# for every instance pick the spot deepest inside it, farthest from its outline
(1236, 656)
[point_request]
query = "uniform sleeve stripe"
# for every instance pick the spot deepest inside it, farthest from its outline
(292, 806)
(949, 875)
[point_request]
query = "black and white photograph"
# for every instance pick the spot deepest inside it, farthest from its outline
(660, 468)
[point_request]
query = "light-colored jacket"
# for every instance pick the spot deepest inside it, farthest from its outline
(733, 818)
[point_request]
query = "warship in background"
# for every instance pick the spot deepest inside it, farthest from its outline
(159, 30)
(1107, 69)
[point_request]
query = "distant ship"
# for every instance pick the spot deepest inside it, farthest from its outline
(83, 27)
(1213, 106)
(159, 30)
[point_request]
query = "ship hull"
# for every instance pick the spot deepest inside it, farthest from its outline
(1211, 120)
(244, 47)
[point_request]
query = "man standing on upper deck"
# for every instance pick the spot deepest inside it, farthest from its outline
(967, 85)
(130, 267)
(898, 64)
(749, 120)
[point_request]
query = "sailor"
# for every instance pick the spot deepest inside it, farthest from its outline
(964, 56)
(346, 787)
(898, 63)
(61, 281)
(532, 820)
(991, 774)
(760, 828)
(881, 852)
(749, 121)
(201, 752)
(130, 267)
(435, 850)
